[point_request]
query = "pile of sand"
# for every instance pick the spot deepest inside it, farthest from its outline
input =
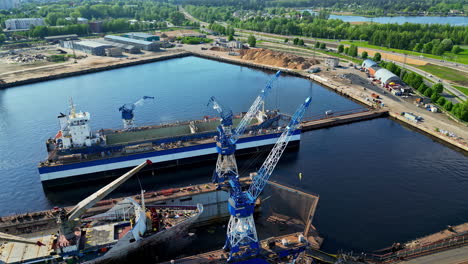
(276, 58)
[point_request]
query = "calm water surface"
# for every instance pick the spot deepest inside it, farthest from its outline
(451, 20)
(375, 178)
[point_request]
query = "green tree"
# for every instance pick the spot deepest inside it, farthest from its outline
(2, 38)
(300, 42)
(446, 44)
(353, 51)
(434, 97)
(448, 105)
(438, 87)
(252, 41)
(422, 88)
(176, 18)
(428, 92)
(317, 45)
(295, 41)
(52, 17)
(438, 50)
(427, 48)
(346, 50)
(230, 37)
(364, 55)
(340, 48)
(377, 56)
(418, 47)
(286, 40)
(323, 46)
(441, 101)
(456, 49)
(391, 67)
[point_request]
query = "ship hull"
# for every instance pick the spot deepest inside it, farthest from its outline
(153, 248)
(105, 168)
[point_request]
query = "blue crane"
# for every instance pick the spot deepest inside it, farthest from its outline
(127, 112)
(242, 240)
(226, 166)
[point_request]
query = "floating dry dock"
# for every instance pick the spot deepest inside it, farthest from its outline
(38, 224)
(273, 250)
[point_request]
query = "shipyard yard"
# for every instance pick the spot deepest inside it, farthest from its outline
(416, 181)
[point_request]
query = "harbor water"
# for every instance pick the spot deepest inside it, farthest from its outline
(451, 20)
(378, 181)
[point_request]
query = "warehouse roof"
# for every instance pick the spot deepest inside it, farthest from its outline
(92, 44)
(386, 76)
(368, 63)
(120, 45)
(136, 41)
(61, 37)
(140, 34)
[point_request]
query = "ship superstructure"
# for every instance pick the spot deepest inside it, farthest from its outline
(75, 130)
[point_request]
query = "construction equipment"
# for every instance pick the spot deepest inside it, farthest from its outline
(242, 240)
(127, 112)
(226, 166)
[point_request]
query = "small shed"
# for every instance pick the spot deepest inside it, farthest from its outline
(331, 62)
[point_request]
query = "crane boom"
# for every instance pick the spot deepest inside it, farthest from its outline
(242, 239)
(91, 200)
(254, 108)
(127, 112)
(264, 173)
(224, 112)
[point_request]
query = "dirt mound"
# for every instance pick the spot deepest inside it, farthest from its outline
(276, 58)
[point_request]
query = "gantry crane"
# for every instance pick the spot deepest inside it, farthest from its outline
(226, 166)
(127, 112)
(242, 240)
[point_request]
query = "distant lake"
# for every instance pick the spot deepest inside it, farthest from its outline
(454, 21)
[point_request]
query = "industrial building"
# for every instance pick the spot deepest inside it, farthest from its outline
(9, 4)
(23, 23)
(141, 36)
(113, 52)
(386, 77)
(141, 44)
(331, 62)
(87, 46)
(125, 48)
(235, 44)
(57, 39)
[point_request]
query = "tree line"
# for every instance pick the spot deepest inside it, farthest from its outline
(433, 39)
(62, 17)
(416, 81)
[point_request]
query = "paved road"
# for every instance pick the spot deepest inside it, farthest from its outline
(453, 256)
(191, 18)
(427, 75)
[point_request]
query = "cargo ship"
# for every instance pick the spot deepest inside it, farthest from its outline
(120, 235)
(78, 154)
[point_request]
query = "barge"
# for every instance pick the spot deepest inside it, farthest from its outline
(78, 154)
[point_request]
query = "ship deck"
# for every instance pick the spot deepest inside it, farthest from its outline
(269, 253)
(16, 252)
(160, 132)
